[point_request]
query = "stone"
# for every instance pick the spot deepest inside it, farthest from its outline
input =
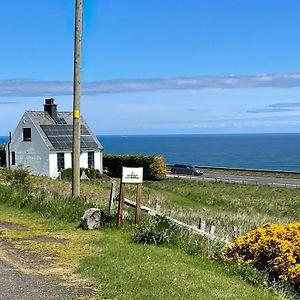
(91, 219)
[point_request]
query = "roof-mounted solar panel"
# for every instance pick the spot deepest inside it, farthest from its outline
(60, 136)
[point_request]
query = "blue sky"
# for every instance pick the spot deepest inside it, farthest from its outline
(155, 67)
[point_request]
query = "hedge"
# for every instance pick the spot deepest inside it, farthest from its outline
(154, 166)
(2, 156)
(66, 174)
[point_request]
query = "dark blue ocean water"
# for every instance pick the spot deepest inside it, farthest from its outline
(252, 151)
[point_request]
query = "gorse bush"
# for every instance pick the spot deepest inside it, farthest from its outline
(154, 166)
(274, 248)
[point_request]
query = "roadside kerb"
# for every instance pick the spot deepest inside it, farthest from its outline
(226, 180)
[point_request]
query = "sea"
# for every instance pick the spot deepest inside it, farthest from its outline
(245, 151)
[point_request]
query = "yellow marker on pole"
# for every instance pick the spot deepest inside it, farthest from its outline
(76, 114)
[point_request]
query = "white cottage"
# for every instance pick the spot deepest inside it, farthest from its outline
(42, 142)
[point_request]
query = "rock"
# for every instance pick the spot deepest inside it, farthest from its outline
(91, 219)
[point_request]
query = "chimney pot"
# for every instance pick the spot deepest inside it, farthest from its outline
(51, 107)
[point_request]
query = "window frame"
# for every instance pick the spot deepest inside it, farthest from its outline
(91, 160)
(13, 158)
(26, 137)
(60, 161)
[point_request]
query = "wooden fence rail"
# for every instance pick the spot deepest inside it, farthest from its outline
(200, 230)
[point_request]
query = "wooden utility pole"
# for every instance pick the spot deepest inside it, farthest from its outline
(76, 99)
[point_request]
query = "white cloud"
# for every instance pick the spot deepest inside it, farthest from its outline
(31, 88)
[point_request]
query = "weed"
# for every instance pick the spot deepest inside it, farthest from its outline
(153, 231)
(16, 177)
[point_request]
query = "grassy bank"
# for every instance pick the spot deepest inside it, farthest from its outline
(121, 269)
(221, 204)
(117, 268)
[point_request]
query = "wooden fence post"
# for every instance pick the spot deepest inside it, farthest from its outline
(111, 198)
(202, 224)
(121, 204)
(235, 232)
(138, 203)
(157, 204)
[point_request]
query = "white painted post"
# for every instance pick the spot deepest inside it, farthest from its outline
(112, 198)
(157, 204)
(202, 224)
(212, 229)
(235, 232)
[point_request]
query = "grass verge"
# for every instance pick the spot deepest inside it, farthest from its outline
(118, 268)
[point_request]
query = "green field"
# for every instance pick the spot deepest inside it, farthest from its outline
(121, 269)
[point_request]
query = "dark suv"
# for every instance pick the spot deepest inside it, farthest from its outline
(186, 170)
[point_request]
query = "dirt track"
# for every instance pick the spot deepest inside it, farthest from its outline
(22, 276)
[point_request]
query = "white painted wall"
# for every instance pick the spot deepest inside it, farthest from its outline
(98, 161)
(68, 160)
(83, 160)
(33, 154)
(53, 165)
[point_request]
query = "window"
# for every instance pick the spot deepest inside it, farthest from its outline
(60, 161)
(91, 160)
(27, 134)
(13, 158)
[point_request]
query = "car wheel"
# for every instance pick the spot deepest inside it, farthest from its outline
(193, 174)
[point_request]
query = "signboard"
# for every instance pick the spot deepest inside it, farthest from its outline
(132, 175)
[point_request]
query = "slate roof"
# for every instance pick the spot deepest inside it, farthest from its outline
(57, 133)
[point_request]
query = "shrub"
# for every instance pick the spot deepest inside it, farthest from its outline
(154, 167)
(2, 156)
(66, 174)
(18, 176)
(274, 248)
(160, 230)
(154, 231)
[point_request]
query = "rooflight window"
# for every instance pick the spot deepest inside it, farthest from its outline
(27, 134)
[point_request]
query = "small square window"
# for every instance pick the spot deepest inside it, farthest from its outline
(27, 134)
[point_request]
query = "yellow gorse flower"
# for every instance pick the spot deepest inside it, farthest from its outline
(272, 247)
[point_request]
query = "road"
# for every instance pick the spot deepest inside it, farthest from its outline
(258, 180)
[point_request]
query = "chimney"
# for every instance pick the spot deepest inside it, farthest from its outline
(51, 107)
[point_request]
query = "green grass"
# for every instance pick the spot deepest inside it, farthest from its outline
(123, 270)
(252, 173)
(221, 204)
(117, 267)
(225, 205)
